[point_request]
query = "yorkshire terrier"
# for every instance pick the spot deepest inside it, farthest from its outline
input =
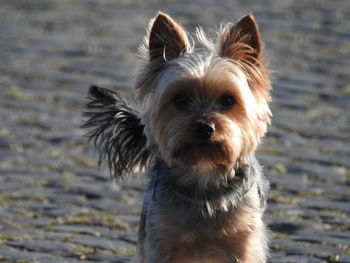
(197, 121)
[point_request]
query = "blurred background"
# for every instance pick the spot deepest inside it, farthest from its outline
(56, 205)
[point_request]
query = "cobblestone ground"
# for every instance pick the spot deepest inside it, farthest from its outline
(56, 205)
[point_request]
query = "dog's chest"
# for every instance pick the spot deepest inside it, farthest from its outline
(216, 243)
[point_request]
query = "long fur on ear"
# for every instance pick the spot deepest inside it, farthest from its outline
(167, 39)
(242, 41)
(116, 131)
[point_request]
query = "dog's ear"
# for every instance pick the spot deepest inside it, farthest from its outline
(117, 132)
(167, 39)
(242, 41)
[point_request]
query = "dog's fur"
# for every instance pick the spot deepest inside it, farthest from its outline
(199, 117)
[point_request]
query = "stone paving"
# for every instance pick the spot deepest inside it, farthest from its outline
(57, 205)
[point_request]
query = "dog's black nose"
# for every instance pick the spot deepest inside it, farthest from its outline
(205, 130)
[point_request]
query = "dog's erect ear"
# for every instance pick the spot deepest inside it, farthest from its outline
(167, 39)
(242, 41)
(116, 131)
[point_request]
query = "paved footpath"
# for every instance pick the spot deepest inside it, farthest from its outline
(56, 205)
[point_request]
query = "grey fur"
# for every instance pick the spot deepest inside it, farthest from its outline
(226, 194)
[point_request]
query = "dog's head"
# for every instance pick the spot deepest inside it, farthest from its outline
(204, 106)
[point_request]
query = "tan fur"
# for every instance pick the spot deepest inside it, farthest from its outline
(203, 91)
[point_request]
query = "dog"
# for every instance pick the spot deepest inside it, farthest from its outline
(196, 121)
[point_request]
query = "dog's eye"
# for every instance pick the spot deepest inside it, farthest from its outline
(181, 101)
(227, 102)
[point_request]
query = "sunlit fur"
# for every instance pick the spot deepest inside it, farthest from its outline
(200, 113)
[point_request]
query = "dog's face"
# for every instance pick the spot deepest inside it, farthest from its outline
(204, 108)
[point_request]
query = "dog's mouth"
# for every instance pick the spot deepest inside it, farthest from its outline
(195, 153)
(200, 146)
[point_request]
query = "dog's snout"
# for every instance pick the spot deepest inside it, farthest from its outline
(205, 130)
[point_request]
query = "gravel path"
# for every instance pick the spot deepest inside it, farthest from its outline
(56, 205)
